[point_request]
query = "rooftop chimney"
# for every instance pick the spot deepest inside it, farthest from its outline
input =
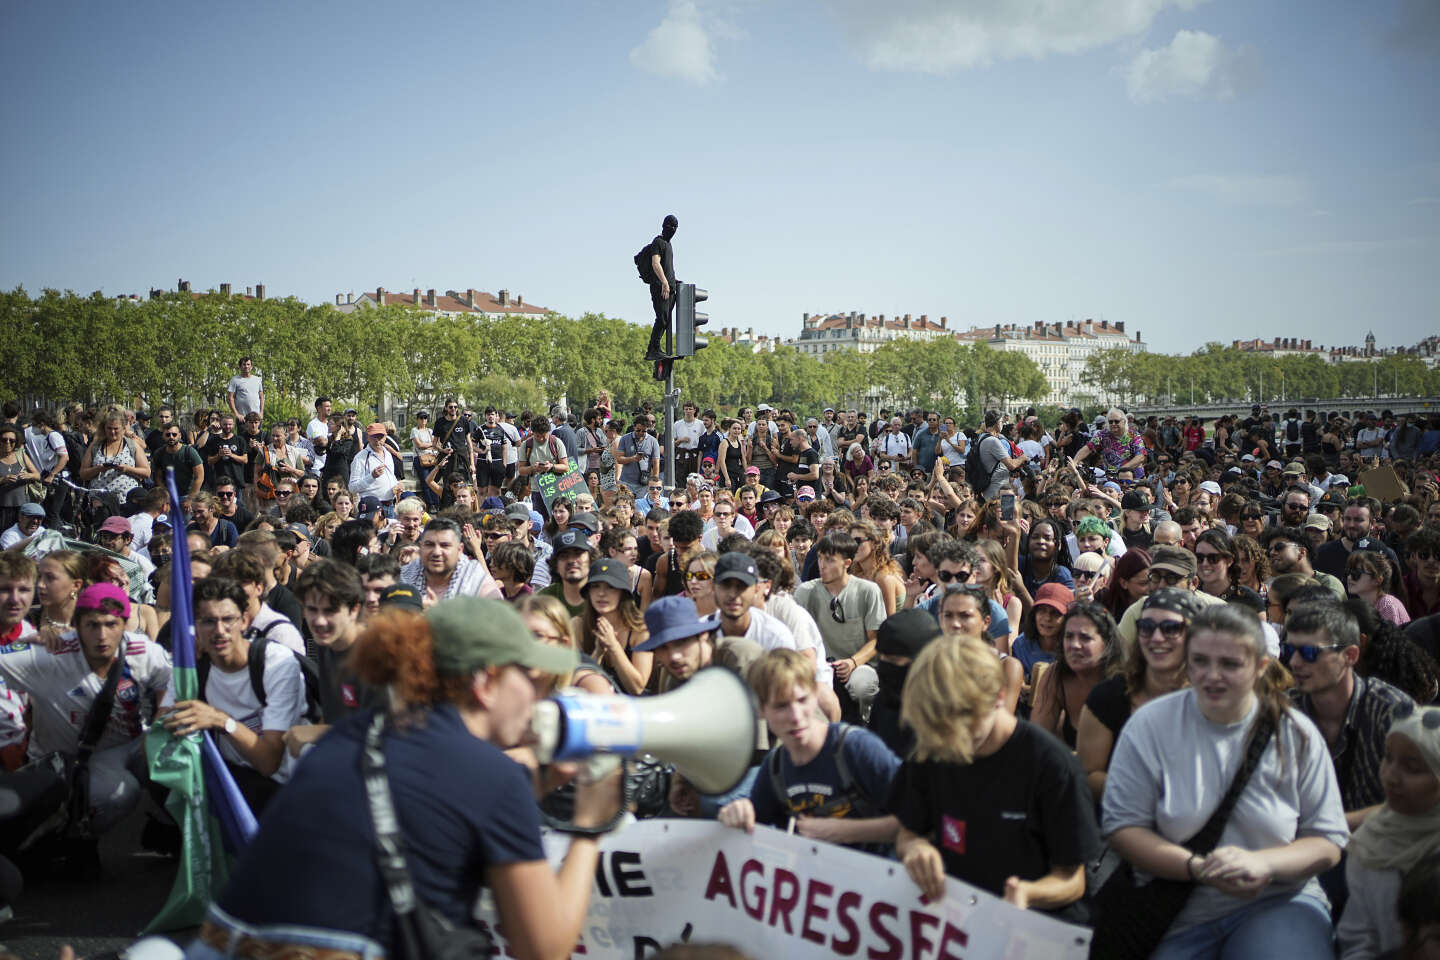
(380, 296)
(1120, 325)
(1104, 324)
(259, 291)
(504, 298)
(519, 300)
(924, 320)
(183, 285)
(224, 289)
(430, 296)
(997, 329)
(1137, 337)
(470, 297)
(944, 322)
(249, 291)
(337, 299)
(349, 298)
(415, 296)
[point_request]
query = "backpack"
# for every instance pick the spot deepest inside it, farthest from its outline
(643, 265)
(75, 448)
(1292, 431)
(851, 797)
(255, 662)
(975, 473)
(552, 443)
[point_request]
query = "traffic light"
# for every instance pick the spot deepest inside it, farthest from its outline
(661, 368)
(687, 321)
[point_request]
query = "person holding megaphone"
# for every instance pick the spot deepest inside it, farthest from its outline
(417, 804)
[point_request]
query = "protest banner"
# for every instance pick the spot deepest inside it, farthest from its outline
(773, 894)
(552, 485)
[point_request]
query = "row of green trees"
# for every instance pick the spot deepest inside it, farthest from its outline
(1218, 373)
(183, 349)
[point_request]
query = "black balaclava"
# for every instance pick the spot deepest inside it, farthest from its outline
(669, 226)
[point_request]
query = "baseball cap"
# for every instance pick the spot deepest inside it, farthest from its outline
(1273, 465)
(36, 510)
(350, 410)
(98, 595)
(674, 618)
(1134, 500)
(375, 430)
(1057, 596)
(587, 521)
(143, 416)
(571, 538)
(367, 507)
(1317, 521)
(770, 496)
(470, 633)
(752, 471)
(517, 511)
(401, 595)
(805, 494)
(609, 571)
(1211, 487)
(764, 407)
(736, 566)
(300, 530)
(1295, 469)
(112, 524)
(1173, 559)
(708, 460)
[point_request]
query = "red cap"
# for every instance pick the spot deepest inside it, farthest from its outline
(98, 596)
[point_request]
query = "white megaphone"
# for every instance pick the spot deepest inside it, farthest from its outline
(706, 728)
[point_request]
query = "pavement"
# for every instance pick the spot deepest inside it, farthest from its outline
(98, 917)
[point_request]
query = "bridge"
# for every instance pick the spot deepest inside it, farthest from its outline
(1429, 406)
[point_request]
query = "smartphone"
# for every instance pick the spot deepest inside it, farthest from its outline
(1007, 507)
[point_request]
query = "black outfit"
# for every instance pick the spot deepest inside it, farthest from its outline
(1141, 539)
(341, 694)
(338, 455)
(453, 434)
(1110, 704)
(663, 305)
(491, 472)
(228, 469)
(282, 601)
(1021, 811)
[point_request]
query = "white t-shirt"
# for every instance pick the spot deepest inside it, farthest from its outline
(230, 693)
(783, 607)
(420, 435)
(247, 393)
(512, 453)
(62, 688)
(893, 444)
(45, 449)
(687, 435)
(274, 625)
(1171, 767)
(142, 530)
(12, 535)
(711, 537)
(769, 632)
(316, 428)
(1033, 450)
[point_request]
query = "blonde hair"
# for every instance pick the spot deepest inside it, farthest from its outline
(952, 685)
(551, 609)
(778, 673)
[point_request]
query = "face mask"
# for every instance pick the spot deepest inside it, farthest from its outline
(892, 682)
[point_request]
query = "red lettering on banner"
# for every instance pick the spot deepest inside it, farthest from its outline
(919, 936)
(757, 912)
(893, 946)
(719, 884)
(790, 885)
(814, 910)
(951, 935)
(844, 908)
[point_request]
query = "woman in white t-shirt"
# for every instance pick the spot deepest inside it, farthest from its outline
(1256, 893)
(422, 438)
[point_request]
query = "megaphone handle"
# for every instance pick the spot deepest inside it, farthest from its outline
(598, 766)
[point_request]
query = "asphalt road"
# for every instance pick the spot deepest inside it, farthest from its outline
(98, 917)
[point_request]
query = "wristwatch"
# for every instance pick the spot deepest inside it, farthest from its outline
(230, 725)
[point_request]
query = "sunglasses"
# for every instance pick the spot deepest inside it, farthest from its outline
(837, 610)
(1309, 652)
(226, 494)
(1085, 574)
(698, 576)
(947, 577)
(1424, 554)
(1164, 576)
(1207, 558)
(1169, 629)
(282, 494)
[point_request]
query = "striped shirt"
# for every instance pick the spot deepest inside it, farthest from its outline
(1361, 744)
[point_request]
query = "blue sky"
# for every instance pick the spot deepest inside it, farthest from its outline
(1199, 170)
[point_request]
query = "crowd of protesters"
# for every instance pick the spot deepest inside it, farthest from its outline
(1059, 661)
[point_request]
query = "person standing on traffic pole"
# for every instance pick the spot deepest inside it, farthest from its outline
(662, 284)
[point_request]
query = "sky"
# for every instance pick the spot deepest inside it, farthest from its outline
(1199, 169)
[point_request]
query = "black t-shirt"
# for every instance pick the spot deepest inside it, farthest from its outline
(495, 437)
(849, 437)
(667, 258)
(462, 805)
(229, 469)
(805, 459)
(242, 517)
(1110, 704)
(283, 602)
(1021, 811)
(1137, 538)
(341, 694)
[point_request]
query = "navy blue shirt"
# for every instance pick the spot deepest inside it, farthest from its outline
(815, 788)
(463, 806)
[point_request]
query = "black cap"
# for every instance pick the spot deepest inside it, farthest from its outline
(1134, 500)
(571, 539)
(610, 571)
(587, 520)
(736, 566)
(401, 595)
(906, 633)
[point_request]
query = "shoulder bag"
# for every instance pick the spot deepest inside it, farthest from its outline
(421, 933)
(1131, 920)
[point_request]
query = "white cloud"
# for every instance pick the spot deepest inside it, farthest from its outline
(937, 36)
(1248, 190)
(1194, 65)
(679, 47)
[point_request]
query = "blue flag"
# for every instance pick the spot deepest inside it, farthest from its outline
(215, 821)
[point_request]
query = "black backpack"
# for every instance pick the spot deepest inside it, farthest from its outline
(642, 263)
(255, 662)
(975, 473)
(850, 797)
(1292, 431)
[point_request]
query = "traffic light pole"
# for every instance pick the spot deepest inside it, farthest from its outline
(671, 397)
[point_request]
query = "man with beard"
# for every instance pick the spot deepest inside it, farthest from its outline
(443, 570)
(570, 569)
(1289, 552)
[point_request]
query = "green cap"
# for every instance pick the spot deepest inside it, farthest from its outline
(472, 633)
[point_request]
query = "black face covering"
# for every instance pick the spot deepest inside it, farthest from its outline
(669, 226)
(892, 683)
